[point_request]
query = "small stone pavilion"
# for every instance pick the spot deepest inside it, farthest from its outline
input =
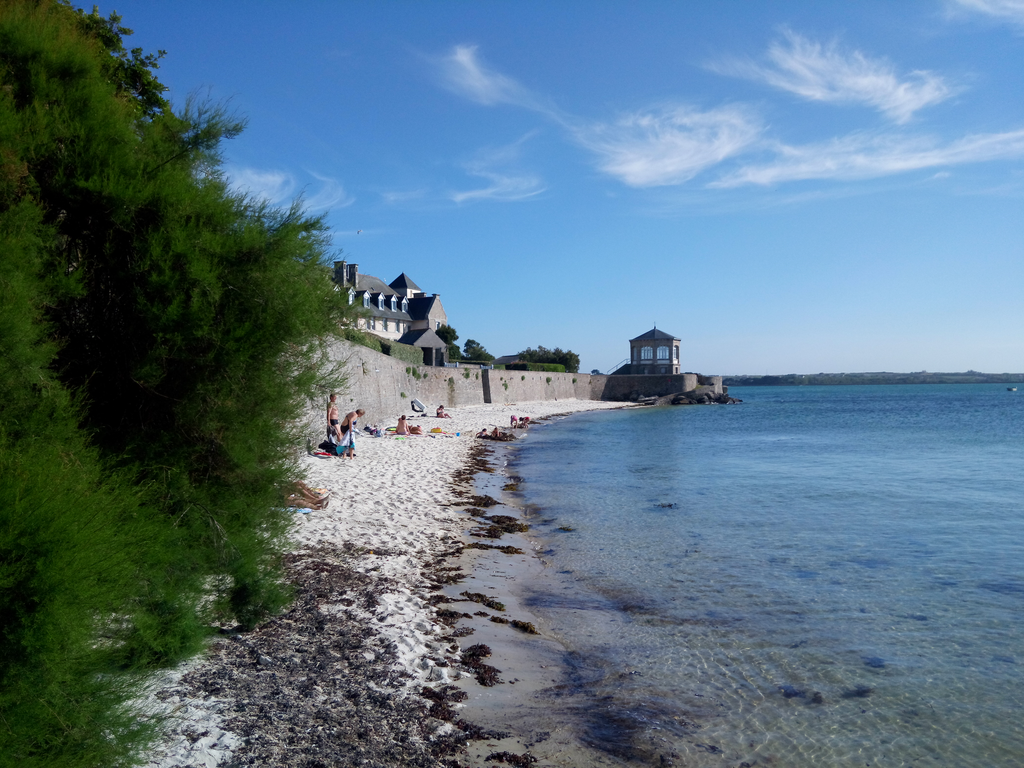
(654, 352)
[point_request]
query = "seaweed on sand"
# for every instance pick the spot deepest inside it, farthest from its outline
(448, 616)
(499, 526)
(485, 674)
(508, 550)
(479, 597)
(519, 761)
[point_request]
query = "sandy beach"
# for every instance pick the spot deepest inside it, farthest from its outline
(370, 664)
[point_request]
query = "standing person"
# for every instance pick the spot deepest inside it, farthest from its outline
(348, 432)
(333, 430)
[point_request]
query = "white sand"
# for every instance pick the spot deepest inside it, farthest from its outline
(392, 497)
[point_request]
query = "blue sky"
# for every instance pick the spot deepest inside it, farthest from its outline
(786, 186)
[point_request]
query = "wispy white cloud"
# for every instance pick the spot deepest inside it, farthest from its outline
(463, 72)
(503, 183)
(830, 74)
(394, 197)
(273, 186)
(502, 187)
(1004, 10)
(280, 187)
(669, 146)
(331, 194)
(863, 156)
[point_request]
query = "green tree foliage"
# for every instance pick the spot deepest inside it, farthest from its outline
(568, 358)
(449, 336)
(474, 350)
(156, 332)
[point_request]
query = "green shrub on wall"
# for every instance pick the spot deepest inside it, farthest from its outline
(362, 339)
(548, 367)
(404, 352)
(548, 379)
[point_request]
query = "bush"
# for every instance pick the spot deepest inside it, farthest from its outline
(405, 352)
(144, 308)
(363, 339)
(549, 367)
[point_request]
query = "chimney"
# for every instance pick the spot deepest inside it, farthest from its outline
(353, 274)
(339, 272)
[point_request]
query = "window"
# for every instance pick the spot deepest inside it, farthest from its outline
(380, 301)
(373, 323)
(437, 325)
(646, 353)
(385, 323)
(635, 353)
(394, 304)
(405, 305)
(351, 295)
(366, 300)
(663, 353)
(676, 348)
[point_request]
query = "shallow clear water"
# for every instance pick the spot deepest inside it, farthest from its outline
(819, 576)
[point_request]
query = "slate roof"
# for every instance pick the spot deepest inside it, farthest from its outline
(505, 360)
(403, 282)
(373, 284)
(419, 308)
(422, 337)
(654, 334)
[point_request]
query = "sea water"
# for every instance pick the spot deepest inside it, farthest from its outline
(819, 576)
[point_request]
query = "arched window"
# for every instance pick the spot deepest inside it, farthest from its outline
(646, 353)
(663, 353)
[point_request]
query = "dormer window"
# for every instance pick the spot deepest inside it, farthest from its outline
(405, 305)
(366, 300)
(380, 301)
(351, 295)
(394, 304)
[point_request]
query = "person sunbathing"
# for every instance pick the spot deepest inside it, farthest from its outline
(441, 414)
(304, 496)
(403, 426)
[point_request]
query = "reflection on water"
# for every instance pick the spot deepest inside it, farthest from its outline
(820, 576)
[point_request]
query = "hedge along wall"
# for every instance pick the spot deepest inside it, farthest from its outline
(405, 352)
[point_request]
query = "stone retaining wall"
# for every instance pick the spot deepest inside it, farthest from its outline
(384, 386)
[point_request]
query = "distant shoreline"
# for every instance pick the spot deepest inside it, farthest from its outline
(832, 379)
